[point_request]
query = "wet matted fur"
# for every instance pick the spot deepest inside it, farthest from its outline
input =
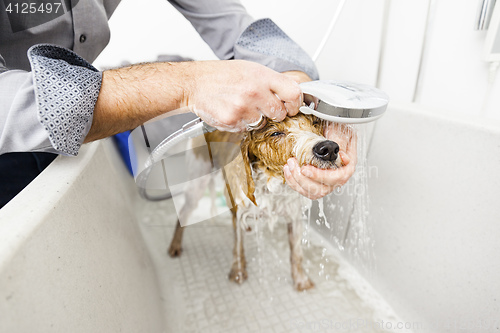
(255, 183)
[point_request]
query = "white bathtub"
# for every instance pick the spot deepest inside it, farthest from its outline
(436, 211)
(72, 258)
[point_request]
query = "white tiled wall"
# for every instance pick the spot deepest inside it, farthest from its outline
(404, 39)
(455, 77)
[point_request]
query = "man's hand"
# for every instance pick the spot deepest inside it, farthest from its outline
(227, 94)
(315, 183)
(297, 76)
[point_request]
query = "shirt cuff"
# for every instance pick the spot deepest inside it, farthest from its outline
(264, 42)
(66, 90)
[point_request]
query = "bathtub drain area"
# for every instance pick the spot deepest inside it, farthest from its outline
(198, 296)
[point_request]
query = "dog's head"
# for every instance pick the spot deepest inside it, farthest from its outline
(302, 136)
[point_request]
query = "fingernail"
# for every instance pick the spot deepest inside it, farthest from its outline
(291, 164)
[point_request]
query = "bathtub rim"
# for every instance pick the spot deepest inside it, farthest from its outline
(17, 221)
(479, 122)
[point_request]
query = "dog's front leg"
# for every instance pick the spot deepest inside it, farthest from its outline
(193, 193)
(175, 248)
(300, 279)
(238, 271)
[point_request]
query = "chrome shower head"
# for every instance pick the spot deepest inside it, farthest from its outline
(343, 102)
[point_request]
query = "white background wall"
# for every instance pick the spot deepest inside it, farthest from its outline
(453, 76)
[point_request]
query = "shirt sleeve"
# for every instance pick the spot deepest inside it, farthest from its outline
(264, 42)
(233, 34)
(50, 108)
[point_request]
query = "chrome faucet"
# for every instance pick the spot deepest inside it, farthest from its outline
(484, 12)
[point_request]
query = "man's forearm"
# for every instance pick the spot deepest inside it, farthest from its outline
(132, 95)
(227, 94)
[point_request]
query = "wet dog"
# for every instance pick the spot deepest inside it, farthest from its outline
(255, 183)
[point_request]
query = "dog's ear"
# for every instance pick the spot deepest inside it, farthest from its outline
(247, 160)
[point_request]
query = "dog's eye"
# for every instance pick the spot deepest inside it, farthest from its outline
(277, 134)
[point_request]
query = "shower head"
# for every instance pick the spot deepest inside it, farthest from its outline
(343, 102)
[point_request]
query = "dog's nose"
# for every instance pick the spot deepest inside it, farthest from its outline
(326, 150)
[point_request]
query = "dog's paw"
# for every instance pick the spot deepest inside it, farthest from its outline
(175, 250)
(303, 284)
(238, 274)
